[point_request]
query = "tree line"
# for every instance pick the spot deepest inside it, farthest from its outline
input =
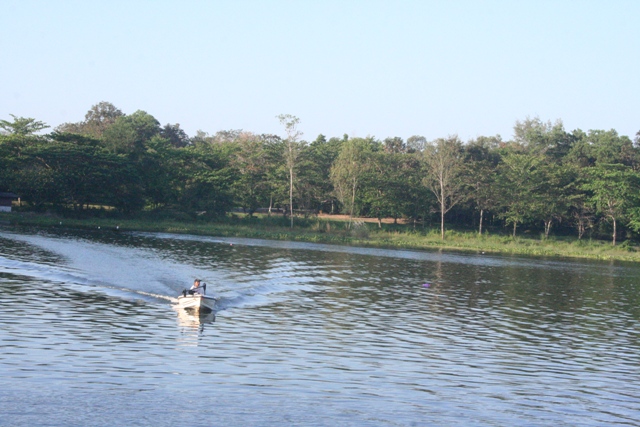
(545, 178)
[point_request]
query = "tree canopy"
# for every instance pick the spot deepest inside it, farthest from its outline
(546, 179)
(22, 125)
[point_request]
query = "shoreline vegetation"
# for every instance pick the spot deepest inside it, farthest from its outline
(336, 230)
(547, 191)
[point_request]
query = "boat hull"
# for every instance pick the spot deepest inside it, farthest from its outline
(197, 302)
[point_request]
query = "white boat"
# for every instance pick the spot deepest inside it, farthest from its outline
(197, 302)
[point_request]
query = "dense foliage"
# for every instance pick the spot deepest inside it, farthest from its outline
(544, 179)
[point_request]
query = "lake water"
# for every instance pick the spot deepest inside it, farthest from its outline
(311, 335)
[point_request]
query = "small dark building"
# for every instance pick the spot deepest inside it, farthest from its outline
(5, 201)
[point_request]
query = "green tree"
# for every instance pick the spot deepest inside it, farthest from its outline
(445, 174)
(206, 178)
(482, 159)
(580, 209)
(99, 117)
(70, 171)
(518, 183)
(416, 143)
(275, 179)
(614, 191)
(175, 135)
(348, 171)
(380, 185)
(553, 193)
(292, 151)
(129, 134)
(22, 125)
(22, 172)
(539, 137)
(603, 147)
(394, 145)
(315, 190)
(391, 187)
(250, 160)
(160, 171)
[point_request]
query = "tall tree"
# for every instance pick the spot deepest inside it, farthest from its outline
(64, 171)
(416, 143)
(175, 135)
(604, 147)
(614, 191)
(392, 185)
(554, 193)
(22, 125)
(99, 117)
(274, 149)
(518, 181)
(380, 185)
(22, 172)
(314, 187)
(129, 134)
(445, 174)
(292, 151)
(580, 208)
(206, 178)
(482, 161)
(348, 170)
(250, 161)
(394, 145)
(160, 169)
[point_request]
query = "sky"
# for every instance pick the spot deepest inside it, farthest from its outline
(364, 68)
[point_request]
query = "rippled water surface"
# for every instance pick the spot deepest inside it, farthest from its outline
(309, 335)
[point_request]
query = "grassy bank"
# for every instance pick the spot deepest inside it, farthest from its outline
(326, 230)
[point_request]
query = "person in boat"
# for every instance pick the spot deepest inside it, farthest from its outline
(196, 288)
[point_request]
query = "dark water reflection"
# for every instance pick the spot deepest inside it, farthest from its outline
(309, 335)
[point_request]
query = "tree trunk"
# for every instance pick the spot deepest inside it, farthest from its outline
(547, 228)
(442, 222)
(580, 227)
(515, 224)
(614, 231)
(442, 208)
(291, 194)
(481, 215)
(353, 202)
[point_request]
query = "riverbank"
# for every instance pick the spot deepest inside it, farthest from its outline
(336, 231)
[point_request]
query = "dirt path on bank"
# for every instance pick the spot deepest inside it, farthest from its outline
(374, 220)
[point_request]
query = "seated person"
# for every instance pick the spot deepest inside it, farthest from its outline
(196, 288)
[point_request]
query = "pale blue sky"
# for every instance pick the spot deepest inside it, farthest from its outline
(381, 68)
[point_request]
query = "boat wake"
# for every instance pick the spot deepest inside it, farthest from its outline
(153, 272)
(61, 275)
